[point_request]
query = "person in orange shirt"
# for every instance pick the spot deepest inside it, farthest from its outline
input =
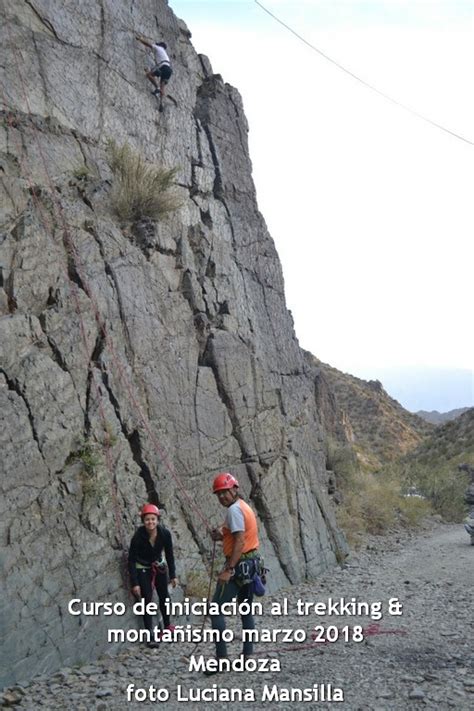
(239, 535)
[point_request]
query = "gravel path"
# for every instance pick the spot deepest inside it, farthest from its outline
(421, 659)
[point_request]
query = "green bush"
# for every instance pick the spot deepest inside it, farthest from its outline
(380, 500)
(93, 477)
(442, 485)
(140, 189)
(89, 456)
(197, 584)
(341, 459)
(82, 172)
(413, 509)
(373, 503)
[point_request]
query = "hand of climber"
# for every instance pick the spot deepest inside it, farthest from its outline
(225, 576)
(216, 534)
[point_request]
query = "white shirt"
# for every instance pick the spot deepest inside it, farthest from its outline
(234, 518)
(160, 54)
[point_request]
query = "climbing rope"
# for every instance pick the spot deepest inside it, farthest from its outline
(85, 341)
(371, 630)
(100, 321)
(69, 243)
(211, 575)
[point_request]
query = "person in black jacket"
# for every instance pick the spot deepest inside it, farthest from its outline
(147, 567)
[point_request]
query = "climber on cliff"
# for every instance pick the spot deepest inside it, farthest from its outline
(147, 567)
(239, 535)
(162, 68)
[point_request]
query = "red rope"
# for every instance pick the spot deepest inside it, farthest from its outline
(370, 631)
(73, 288)
(213, 559)
(99, 320)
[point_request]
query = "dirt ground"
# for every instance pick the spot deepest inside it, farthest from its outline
(402, 624)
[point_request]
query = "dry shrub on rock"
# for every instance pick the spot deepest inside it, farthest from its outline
(140, 189)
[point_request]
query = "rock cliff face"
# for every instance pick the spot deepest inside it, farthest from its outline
(135, 360)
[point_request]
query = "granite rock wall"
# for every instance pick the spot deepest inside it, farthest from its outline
(136, 360)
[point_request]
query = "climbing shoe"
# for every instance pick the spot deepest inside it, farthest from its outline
(211, 672)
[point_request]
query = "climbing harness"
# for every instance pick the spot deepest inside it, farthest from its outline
(158, 567)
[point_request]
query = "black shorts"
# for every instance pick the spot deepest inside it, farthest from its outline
(164, 72)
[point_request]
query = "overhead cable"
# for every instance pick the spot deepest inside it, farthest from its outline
(362, 81)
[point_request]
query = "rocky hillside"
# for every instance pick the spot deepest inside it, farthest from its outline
(438, 467)
(452, 443)
(136, 358)
(381, 430)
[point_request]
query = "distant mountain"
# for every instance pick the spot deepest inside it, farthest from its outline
(439, 418)
(382, 430)
(397, 444)
(427, 388)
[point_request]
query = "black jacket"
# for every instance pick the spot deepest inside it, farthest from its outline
(141, 551)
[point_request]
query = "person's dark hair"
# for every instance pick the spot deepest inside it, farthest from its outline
(162, 44)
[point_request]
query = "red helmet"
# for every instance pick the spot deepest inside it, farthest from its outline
(149, 509)
(224, 481)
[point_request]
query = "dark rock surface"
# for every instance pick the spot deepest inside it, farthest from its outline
(135, 361)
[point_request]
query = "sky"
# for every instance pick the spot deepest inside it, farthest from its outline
(370, 207)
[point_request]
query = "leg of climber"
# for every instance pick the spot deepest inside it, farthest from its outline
(225, 592)
(165, 74)
(151, 77)
(161, 583)
(248, 622)
(144, 580)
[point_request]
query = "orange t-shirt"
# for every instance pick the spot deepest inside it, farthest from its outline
(240, 517)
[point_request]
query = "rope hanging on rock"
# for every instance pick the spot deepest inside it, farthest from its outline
(61, 219)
